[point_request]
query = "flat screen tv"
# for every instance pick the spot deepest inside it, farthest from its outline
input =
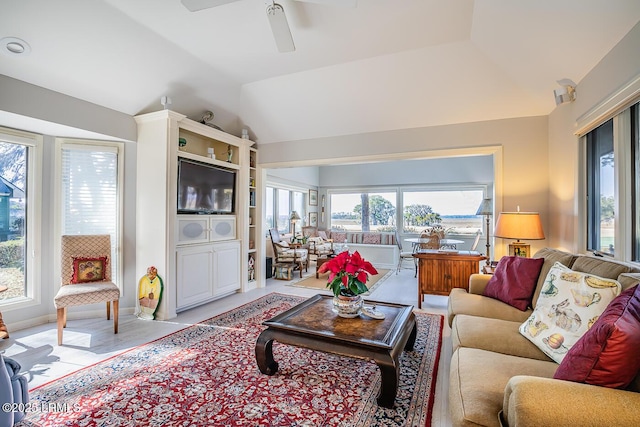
(205, 189)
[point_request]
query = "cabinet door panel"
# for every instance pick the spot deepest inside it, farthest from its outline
(226, 261)
(194, 275)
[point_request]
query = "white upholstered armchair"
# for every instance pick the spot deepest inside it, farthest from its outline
(285, 254)
(86, 277)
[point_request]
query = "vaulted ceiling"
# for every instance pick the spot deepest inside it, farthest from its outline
(385, 65)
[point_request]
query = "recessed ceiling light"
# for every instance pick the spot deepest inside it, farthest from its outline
(13, 46)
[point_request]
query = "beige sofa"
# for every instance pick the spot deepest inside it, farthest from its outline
(498, 377)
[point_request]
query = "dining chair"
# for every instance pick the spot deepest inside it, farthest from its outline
(402, 254)
(476, 241)
(86, 277)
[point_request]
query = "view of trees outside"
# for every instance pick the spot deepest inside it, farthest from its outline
(13, 180)
(453, 209)
(607, 204)
(378, 214)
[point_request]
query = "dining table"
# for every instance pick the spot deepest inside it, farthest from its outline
(444, 243)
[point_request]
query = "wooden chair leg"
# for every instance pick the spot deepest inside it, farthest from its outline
(115, 316)
(109, 310)
(60, 313)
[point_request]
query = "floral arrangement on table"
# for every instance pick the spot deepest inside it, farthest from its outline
(348, 274)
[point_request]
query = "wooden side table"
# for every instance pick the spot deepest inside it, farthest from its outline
(441, 271)
(487, 269)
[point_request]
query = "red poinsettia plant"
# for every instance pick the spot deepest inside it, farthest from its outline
(348, 273)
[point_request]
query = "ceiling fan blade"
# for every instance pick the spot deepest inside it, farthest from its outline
(196, 5)
(344, 3)
(280, 28)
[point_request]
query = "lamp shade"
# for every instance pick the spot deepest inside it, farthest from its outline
(519, 225)
(485, 208)
(294, 216)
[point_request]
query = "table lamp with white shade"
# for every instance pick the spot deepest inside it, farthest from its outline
(293, 218)
(519, 225)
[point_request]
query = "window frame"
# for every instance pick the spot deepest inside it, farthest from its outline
(275, 187)
(624, 191)
(33, 226)
(60, 143)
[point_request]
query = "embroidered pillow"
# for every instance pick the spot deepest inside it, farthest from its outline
(88, 269)
(569, 303)
(514, 281)
(371, 238)
(607, 354)
(323, 234)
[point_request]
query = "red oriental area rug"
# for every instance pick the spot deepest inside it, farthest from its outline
(206, 375)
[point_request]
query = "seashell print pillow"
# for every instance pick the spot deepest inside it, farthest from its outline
(569, 304)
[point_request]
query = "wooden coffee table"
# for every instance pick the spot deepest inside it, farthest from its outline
(313, 325)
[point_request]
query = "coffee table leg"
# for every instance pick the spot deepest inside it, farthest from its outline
(412, 337)
(390, 376)
(264, 353)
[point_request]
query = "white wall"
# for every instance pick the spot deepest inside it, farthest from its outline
(303, 176)
(476, 169)
(520, 161)
(619, 66)
(44, 111)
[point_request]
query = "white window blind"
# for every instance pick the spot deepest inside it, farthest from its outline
(90, 193)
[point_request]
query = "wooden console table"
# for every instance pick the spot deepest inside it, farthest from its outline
(439, 271)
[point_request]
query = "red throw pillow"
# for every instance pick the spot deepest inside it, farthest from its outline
(607, 354)
(89, 269)
(514, 281)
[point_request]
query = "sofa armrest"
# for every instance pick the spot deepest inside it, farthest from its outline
(535, 401)
(477, 283)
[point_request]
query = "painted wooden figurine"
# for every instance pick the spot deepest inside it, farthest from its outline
(149, 294)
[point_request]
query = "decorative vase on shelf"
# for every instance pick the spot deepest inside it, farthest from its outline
(347, 306)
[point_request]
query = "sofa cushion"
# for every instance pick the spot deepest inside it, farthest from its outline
(500, 336)
(607, 354)
(477, 381)
(628, 280)
(514, 281)
(602, 267)
(462, 302)
(568, 305)
(550, 256)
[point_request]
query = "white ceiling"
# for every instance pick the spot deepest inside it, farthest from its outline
(387, 64)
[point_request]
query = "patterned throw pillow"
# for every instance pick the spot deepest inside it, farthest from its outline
(89, 269)
(339, 237)
(569, 304)
(371, 238)
(323, 234)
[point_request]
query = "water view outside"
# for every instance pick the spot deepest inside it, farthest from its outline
(12, 220)
(455, 210)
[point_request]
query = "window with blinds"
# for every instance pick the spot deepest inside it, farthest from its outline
(90, 193)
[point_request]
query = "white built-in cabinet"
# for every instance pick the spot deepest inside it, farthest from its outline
(199, 257)
(205, 271)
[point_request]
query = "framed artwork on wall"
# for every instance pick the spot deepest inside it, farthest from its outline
(313, 219)
(313, 197)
